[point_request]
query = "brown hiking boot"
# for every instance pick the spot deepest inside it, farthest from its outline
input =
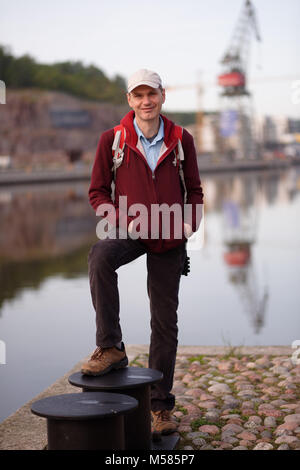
(104, 360)
(162, 423)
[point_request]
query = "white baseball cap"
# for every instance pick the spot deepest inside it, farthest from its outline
(144, 77)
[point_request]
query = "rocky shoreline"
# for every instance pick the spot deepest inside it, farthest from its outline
(236, 402)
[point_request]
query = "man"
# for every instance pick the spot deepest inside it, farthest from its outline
(148, 176)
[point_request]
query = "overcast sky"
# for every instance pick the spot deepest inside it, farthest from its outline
(173, 37)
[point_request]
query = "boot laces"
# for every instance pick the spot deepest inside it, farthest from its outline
(97, 353)
(164, 415)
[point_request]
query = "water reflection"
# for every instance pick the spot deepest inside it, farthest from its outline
(45, 231)
(48, 230)
(15, 276)
(239, 199)
(239, 229)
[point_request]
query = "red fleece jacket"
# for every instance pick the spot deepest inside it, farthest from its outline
(135, 180)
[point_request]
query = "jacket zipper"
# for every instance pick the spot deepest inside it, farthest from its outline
(148, 167)
(152, 172)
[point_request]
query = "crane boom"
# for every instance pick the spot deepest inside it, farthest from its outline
(235, 59)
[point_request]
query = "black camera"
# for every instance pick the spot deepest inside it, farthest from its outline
(186, 266)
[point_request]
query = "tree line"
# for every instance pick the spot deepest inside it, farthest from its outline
(87, 82)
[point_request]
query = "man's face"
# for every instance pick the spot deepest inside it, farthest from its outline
(146, 102)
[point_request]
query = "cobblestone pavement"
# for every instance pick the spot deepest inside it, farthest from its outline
(236, 402)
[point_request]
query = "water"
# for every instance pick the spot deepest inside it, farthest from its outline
(46, 313)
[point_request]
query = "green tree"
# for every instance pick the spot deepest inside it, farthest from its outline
(87, 82)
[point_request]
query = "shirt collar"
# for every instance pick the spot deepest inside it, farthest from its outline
(159, 135)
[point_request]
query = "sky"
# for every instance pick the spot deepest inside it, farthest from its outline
(183, 41)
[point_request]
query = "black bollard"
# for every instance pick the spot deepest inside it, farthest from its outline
(81, 421)
(135, 382)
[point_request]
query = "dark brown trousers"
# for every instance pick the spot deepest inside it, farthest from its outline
(164, 273)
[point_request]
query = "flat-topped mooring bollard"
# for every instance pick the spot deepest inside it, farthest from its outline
(85, 421)
(135, 382)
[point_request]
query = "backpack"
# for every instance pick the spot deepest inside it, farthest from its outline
(119, 145)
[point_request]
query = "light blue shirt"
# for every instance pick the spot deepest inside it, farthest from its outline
(152, 149)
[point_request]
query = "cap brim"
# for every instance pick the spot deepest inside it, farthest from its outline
(142, 82)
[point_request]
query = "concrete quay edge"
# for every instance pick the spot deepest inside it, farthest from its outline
(24, 431)
(17, 177)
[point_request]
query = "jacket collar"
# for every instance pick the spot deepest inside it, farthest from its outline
(159, 135)
(132, 137)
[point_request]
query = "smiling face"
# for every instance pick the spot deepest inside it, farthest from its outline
(146, 102)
